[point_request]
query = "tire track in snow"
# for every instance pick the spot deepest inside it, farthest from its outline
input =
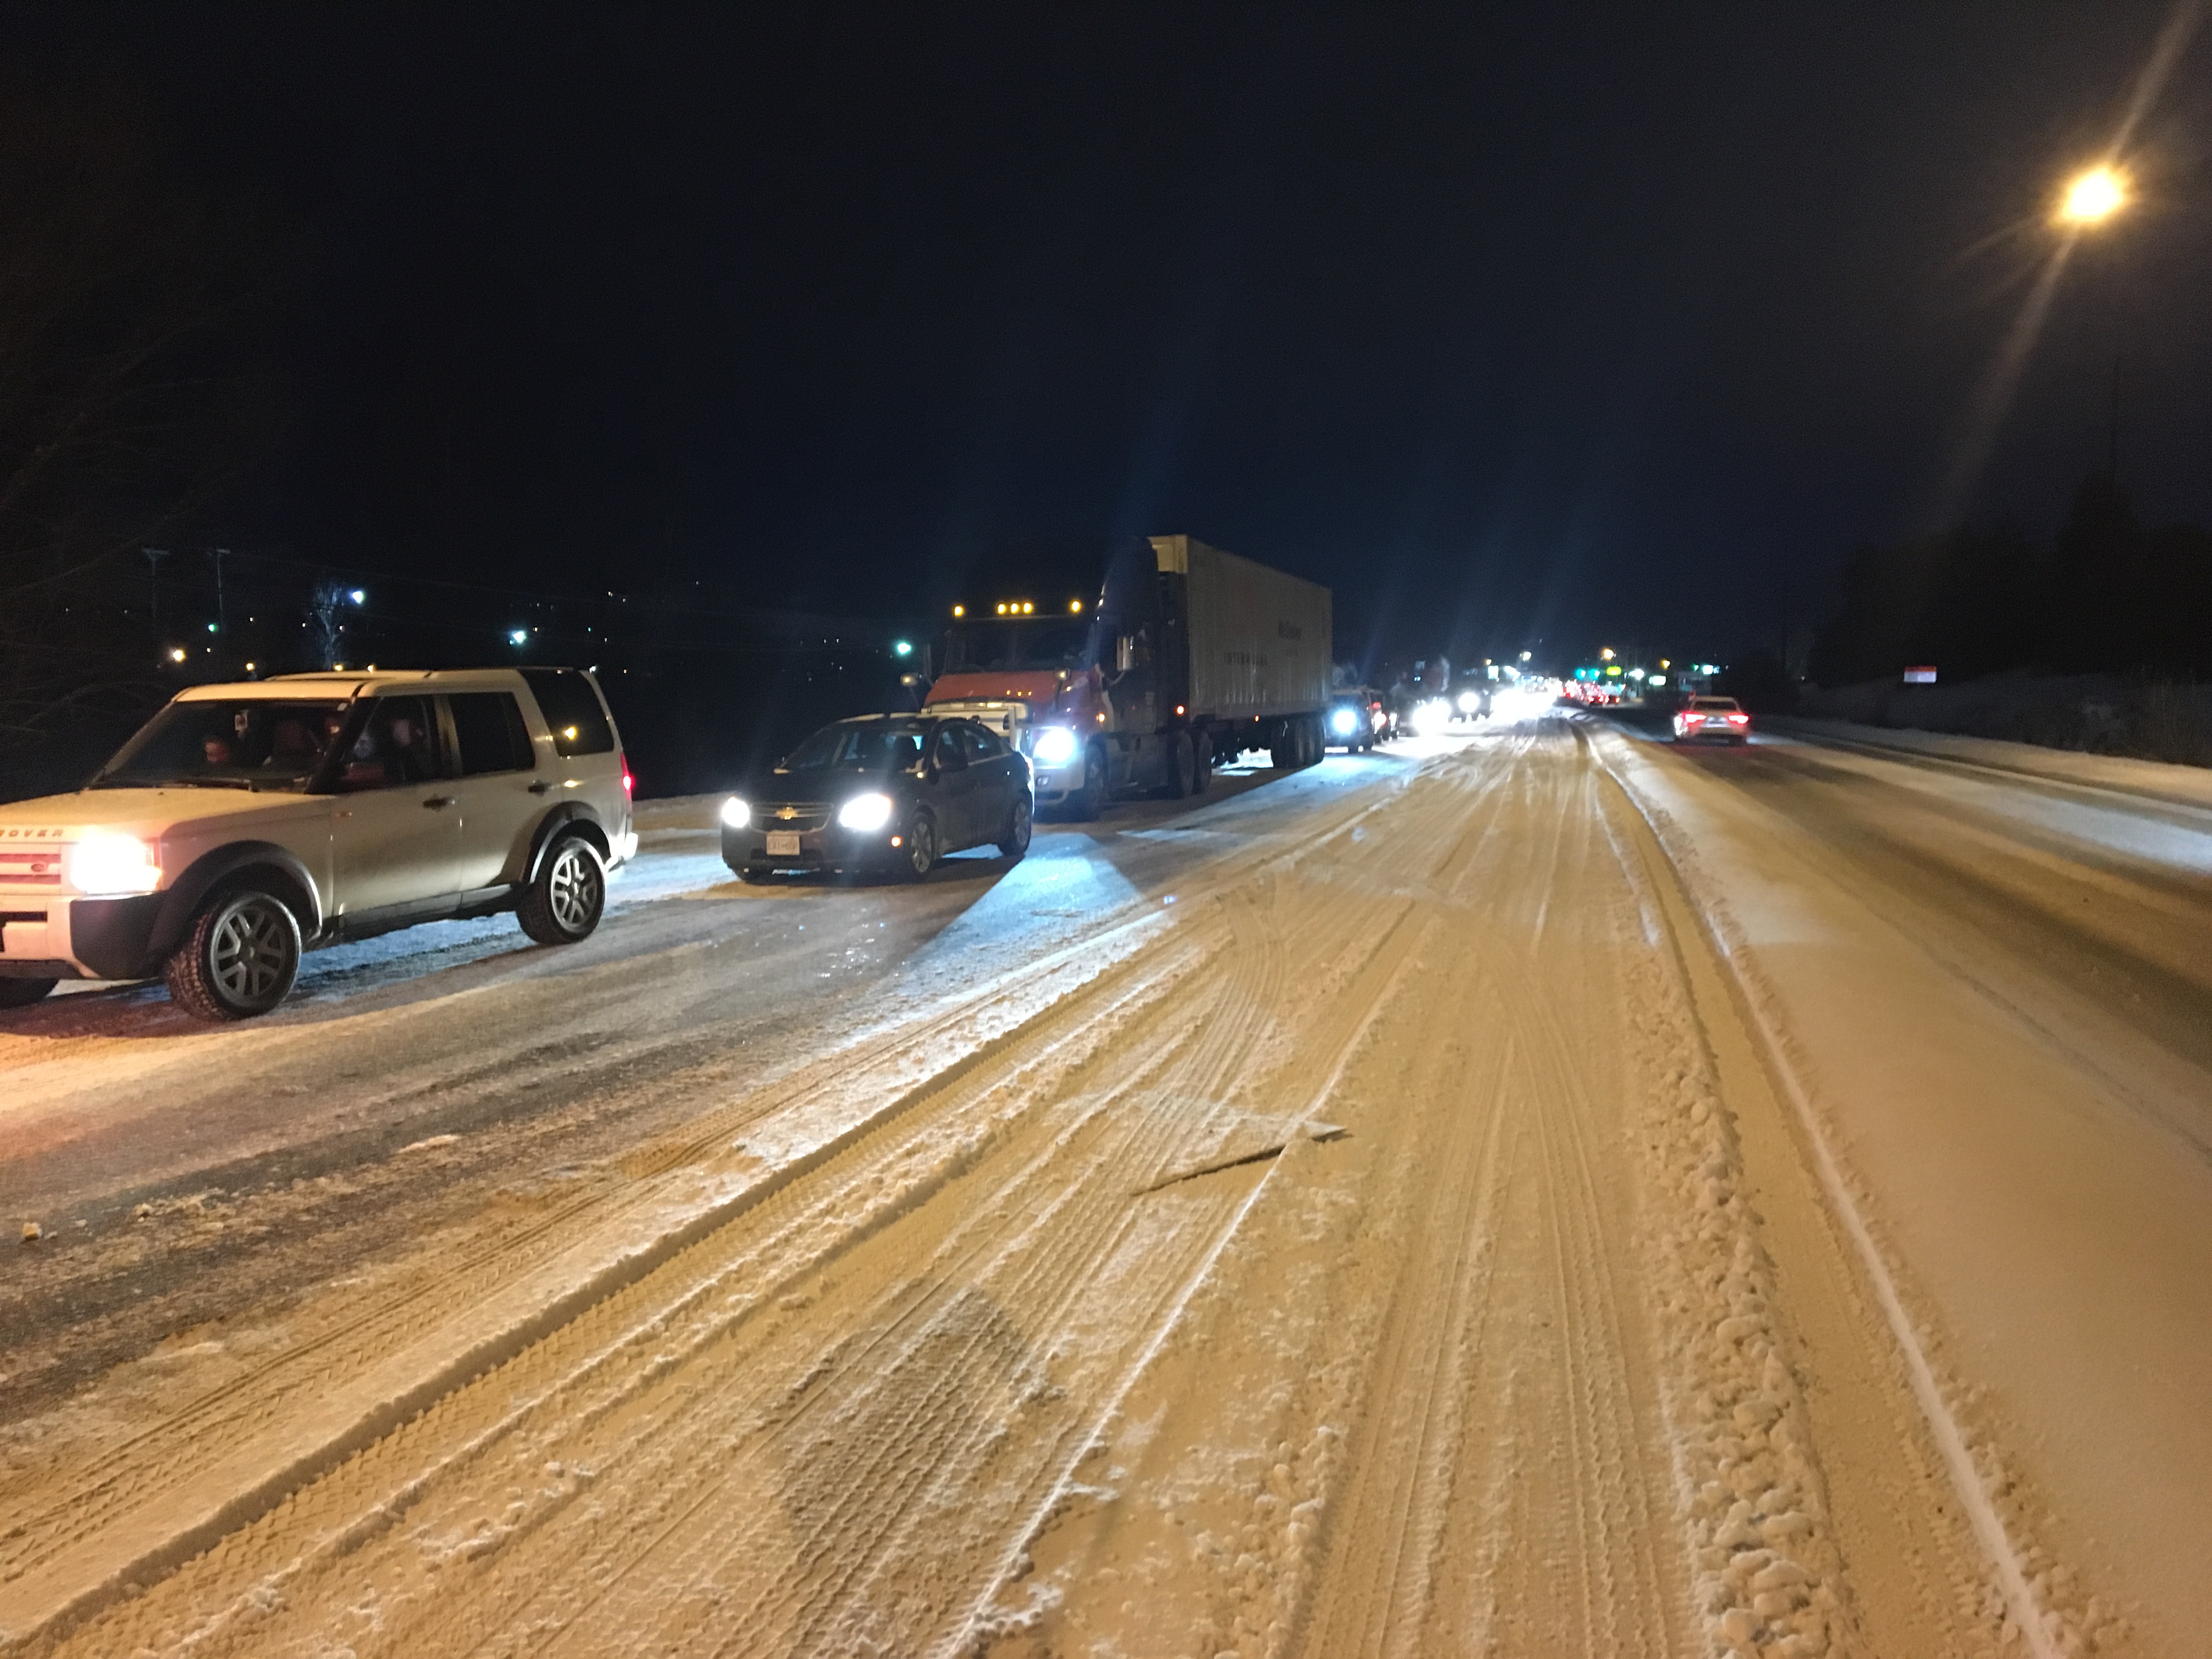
(402, 1518)
(83, 1532)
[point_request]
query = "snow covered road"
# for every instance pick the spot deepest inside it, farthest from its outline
(1536, 1193)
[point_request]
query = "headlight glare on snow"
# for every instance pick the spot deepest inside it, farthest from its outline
(1055, 746)
(865, 812)
(110, 863)
(735, 814)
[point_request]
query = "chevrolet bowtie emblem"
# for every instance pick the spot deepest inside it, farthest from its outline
(786, 811)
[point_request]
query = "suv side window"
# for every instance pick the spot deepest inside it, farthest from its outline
(981, 746)
(946, 750)
(487, 725)
(572, 709)
(397, 743)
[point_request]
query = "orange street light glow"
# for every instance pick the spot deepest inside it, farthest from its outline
(2093, 197)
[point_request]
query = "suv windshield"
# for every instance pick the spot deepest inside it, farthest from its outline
(862, 748)
(250, 744)
(1032, 642)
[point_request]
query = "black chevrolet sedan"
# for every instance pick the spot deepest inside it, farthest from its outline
(890, 792)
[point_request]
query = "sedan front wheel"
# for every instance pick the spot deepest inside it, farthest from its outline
(1016, 840)
(920, 849)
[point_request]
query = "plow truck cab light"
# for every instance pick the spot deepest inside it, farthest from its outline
(865, 812)
(1055, 746)
(737, 813)
(104, 865)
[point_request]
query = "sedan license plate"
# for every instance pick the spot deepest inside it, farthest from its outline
(783, 843)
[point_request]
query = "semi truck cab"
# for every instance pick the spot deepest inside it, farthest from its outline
(1134, 666)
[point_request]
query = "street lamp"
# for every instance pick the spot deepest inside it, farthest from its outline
(2093, 196)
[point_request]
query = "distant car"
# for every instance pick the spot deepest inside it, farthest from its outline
(889, 793)
(1354, 720)
(1709, 718)
(247, 822)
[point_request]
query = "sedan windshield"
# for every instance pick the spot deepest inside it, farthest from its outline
(250, 744)
(869, 748)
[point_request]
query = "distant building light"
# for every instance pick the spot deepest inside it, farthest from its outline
(1606, 654)
(358, 597)
(959, 609)
(1075, 607)
(176, 654)
(903, 649)
(518, 636)
(1922, 676)
(1525, 655)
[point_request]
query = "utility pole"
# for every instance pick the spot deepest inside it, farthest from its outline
(153, 557)
(222, 617)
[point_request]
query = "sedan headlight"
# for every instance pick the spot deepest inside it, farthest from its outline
(1055, 746)
(1344, 722)
(735, 814)
(865, 812)
(108, 864)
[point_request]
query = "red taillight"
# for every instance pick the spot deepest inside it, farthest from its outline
(1739, 719)
(629, 783)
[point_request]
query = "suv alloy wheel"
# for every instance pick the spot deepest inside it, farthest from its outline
(238, 958)
(564, 900)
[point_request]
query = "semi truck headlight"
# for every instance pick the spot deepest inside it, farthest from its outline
(1344, 722)
(735, 814)
(865, 812)
(106, 863)
(1055, 746)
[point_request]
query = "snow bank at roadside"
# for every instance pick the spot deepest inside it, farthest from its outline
(2157, 780)
(2102, 714)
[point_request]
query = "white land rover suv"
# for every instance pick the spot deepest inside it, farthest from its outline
(245, 823)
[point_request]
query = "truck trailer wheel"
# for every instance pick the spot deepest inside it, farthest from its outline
(1182, 766)
(1202, 761)
(1288, 753)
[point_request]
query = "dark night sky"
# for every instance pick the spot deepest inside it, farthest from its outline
(1500, 321)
